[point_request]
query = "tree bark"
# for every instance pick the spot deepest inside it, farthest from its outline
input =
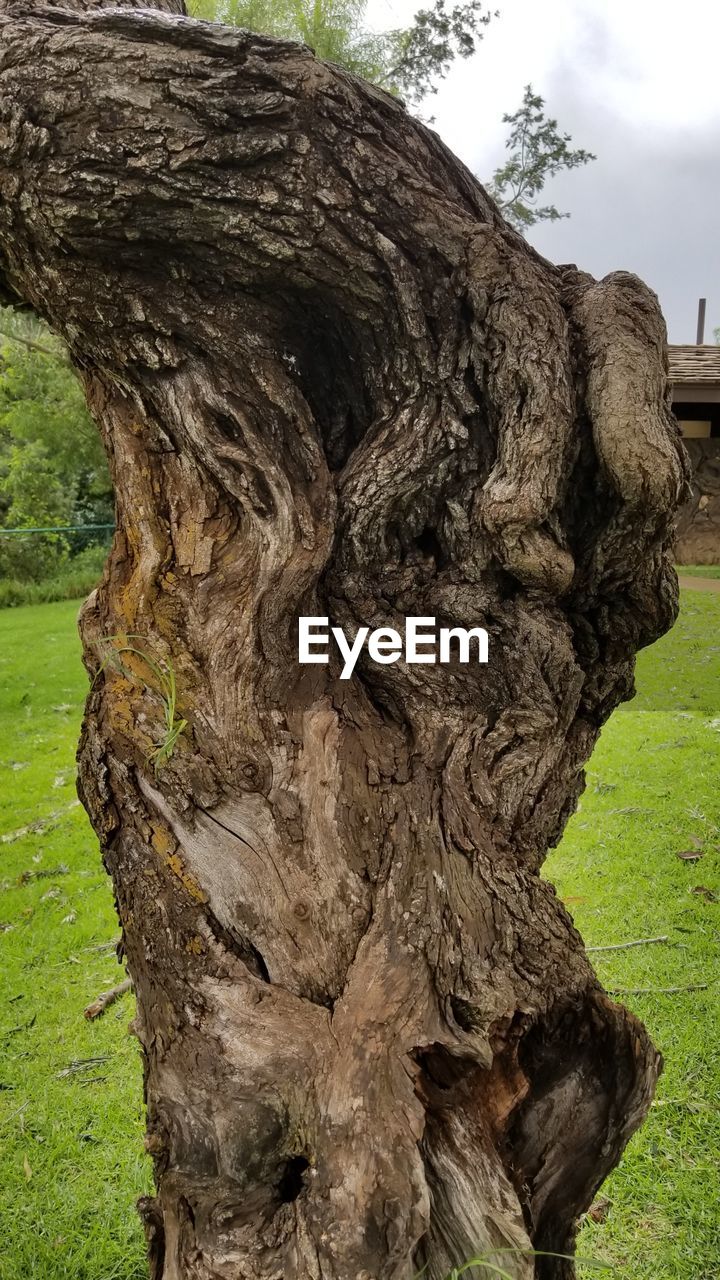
(332, 381)
(699, 519)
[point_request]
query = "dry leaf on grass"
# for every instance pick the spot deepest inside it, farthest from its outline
(599, 1209)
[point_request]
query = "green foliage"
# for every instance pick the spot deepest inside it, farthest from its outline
(423, 53)
(408, 60)
(52, 466)
(75, 580)
(538, 151)
(330, 27)
(41, 399)
(34, 495)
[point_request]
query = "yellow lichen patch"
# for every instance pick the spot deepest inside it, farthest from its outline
(177, 866)
(164, 843)
(128, 597)
(123, 717)
(195, 945)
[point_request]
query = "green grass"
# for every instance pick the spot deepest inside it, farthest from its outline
(652, 793)
(699, 570)
(71, 1150)
(71, 1146)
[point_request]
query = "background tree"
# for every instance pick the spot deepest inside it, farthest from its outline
(53, 469)
(538, 151)
(332, 381)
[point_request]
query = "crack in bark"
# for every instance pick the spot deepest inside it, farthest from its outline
(236, 835)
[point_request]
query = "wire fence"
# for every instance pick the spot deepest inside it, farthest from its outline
(58, 528)
(78, 536)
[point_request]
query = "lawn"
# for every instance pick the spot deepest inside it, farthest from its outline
(71, 1155)
(699, 570)
(71, 1123)
(653, 793)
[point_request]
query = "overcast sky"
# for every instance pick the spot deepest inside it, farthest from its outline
(638, 83)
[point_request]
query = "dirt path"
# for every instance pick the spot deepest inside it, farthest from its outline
(699, 584)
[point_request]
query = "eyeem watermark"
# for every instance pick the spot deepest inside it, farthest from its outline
(422, 643)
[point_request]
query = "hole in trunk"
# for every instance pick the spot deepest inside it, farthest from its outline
(256, 963)
(329, 354)
(240, 947)
(431, 547)
(291, 1183)
(463, 1013)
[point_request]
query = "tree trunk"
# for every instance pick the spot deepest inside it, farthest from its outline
(333, 382)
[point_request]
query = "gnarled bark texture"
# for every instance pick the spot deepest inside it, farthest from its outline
(699, 518)
(332, 381)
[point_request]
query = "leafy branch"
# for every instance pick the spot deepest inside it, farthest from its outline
(424, 52)
(30, 345)
(538, 151)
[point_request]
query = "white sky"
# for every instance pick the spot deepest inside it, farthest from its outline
(638, 83)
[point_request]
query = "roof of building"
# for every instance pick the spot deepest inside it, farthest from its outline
(695, 364)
